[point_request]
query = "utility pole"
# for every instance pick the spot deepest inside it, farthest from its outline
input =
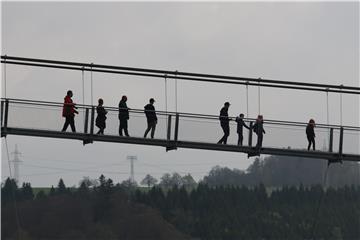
(16, 162)
(132, 159)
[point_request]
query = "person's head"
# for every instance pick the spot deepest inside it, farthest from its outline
(69, 93)
(101, 101)
(241, 115)
(227, 104)
(260, 118)
(124, 98)
(312, 122)
(151, 101)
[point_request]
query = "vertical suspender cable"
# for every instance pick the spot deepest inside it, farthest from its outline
(165, 93)
(247, 99)
(259, 94)
(5, 77)
(91, 85)
(341, 108)
(176, 109)
(327, 106)
(166, 120)
(83, 89)
(83, 86)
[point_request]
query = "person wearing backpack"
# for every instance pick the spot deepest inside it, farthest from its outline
(224, 122)
(69, 112)
(123, 116)
(151, 118)
(259, 130)
(310, 134)
(240, 124)
(101, 117)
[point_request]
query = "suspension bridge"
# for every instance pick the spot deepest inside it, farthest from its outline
(177, 129)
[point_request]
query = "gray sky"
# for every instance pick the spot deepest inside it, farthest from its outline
(302, 41)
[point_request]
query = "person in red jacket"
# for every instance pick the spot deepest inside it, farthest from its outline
(69, 112)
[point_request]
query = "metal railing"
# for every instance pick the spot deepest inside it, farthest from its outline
(174, 127)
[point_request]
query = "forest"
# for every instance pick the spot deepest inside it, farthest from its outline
(269, 200)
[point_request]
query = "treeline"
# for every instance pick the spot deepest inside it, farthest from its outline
(120, 211)
(272, 171)
(275, 198)
(278, 171)
(251, 213)
(102, 212)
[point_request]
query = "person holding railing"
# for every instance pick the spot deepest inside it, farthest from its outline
(310, 134)
(123, 116)
(150, 117)
(240, 124)
(101, 117)
(259, 130)
(224, 122)
(69, 112)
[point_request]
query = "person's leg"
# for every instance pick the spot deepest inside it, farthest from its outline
(72, 124)
(120, 128)
(66, 124)
(147, 129)
(313, 142)
(226, 133)
(260, 140)
(153, 127)
(241, 139)
(223, 137)
(126, 128)
(309, 143)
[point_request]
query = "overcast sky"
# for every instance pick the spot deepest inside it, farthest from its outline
(302, 41)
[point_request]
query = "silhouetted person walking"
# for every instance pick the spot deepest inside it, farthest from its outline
(123, 116)
(101, 117)
(310, 133)
(69, 112)
(240, 125)
(259, 130)
(150, 117)
(224, 122)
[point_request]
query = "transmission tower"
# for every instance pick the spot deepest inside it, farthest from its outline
(132, 159)
(16, 162)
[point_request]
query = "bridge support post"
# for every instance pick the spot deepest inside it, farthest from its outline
(2, 112)
(250, 134)
(86, 123)
(86, 127)
(4, 131)
(176, 128)
(169, 146)
(90, 138)
(331, 139)
(341, 143)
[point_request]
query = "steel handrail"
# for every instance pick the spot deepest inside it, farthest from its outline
(181, 114)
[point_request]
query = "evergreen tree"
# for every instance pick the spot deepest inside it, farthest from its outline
(149, 180)
(9, 191)
(61, 188)
(52, 191)
(40, 195)
(27, 192)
